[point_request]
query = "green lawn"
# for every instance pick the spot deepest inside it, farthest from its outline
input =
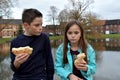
(111, 36)
(3, 40)
(55, 37)
(115, 36)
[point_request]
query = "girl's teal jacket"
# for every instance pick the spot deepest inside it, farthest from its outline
(63, 70)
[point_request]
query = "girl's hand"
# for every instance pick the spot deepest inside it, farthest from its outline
(20, 58)
(81, 66)
(73, 77)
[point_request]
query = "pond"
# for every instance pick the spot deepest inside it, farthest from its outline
(107, 55)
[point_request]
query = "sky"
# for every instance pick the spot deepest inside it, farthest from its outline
(106, 9)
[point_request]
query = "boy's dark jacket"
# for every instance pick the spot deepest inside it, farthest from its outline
(39, 65)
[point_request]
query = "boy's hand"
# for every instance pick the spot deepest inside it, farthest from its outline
(73, 77)
(20, 58)
(81, 66)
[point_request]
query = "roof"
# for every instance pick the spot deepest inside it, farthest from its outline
(101, 22)
(113, 22)
(11, 21)
(51, 26)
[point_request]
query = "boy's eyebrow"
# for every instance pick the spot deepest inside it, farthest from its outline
(38, 24)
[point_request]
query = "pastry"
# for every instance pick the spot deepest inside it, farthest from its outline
(80, 58)
(19, 50)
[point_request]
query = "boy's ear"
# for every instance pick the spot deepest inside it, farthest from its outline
(25, 25)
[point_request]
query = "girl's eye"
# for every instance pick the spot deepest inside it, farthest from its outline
(76, 32)
(69, 32)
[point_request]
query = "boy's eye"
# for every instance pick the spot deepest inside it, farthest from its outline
(37, 24)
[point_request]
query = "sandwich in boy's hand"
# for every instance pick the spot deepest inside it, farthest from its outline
(80, 58)
(26, 49)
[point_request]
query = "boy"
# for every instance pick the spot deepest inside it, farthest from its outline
(39, 65)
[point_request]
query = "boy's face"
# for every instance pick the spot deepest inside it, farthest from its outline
(35, 27)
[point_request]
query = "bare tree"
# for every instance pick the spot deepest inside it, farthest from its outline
(52, 14)
(78, 8)
(5, 7)
(64, 16)
(90, 21)
(5, 11)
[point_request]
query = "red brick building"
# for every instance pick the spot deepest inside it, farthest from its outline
(108, 27)
(9, 27)
(52, 29)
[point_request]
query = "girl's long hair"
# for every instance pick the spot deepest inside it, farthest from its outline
(82, 41)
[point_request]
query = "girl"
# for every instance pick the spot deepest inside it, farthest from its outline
(75, 43)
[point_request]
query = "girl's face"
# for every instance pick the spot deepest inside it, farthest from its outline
(74, 34)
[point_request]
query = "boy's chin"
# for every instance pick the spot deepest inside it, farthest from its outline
(37, 34)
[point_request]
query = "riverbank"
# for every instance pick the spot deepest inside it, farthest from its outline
(113, 36)
(3, 40)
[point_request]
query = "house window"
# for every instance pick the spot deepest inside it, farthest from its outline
(106, 26)
(10, 33)
(101, 31)
(115, 26)
(5, 33)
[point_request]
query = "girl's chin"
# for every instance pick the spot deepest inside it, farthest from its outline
(73, 42)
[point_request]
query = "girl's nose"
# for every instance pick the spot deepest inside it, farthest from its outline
(72, 35)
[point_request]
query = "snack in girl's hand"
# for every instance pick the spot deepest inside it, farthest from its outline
(80, 58)
(19, 50)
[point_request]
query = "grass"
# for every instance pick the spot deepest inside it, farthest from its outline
(115, 36)
(103, 36)
(55, 37)
(3, 40)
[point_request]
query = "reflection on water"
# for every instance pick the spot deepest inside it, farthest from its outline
(107, 44)
(108, 67)
(5, 71)
(56, 43)
(4, 48)
(107, 54)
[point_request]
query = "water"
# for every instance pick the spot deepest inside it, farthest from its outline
(108, 57)
(108, 66)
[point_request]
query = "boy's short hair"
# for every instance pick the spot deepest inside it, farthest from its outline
(29, 15)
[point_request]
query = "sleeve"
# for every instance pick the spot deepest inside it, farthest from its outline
(59, 66)
(91, 62)
(49, 61)
(12, 56)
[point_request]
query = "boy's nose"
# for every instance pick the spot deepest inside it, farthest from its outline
(40, 28)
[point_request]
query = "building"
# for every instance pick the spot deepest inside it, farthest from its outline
(9, 27)
(108, 26)
(52, 29)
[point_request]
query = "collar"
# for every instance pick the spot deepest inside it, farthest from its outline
(79, 50)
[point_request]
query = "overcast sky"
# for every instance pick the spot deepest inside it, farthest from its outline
(106, 9)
